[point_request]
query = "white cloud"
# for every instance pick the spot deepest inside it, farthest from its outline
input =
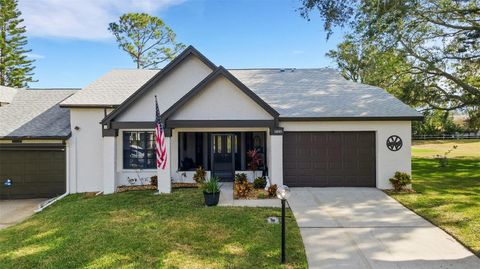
(82, 19)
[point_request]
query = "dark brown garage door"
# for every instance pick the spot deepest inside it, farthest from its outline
(36, 171)
(329, 159)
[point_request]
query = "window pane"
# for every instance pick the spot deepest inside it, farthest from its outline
(151, 163)
(236, 146)
(235, 143)
(150, 144)
(218, 144)
(190, 145)
(229, 144)
(256, 141)
(137, 148)
(151, 154)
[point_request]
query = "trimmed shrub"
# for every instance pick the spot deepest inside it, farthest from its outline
(272, 190)
(259, 183)
(154, 181)
(400, 180)
(241, 186)
(241, 178)
(200, 175)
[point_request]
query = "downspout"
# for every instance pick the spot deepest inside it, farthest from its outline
(50, 202)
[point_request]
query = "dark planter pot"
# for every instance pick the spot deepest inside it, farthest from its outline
(211, 199)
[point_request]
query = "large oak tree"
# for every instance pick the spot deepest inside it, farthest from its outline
(427, 49)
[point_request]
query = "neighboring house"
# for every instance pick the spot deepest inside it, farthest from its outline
(312, 127)
(33, 134)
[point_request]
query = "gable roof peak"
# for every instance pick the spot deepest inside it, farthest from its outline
(219, 71)
(190, 50)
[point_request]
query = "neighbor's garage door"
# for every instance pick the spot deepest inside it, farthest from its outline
(329, 159)
(36, 171)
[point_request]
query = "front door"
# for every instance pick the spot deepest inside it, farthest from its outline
(223, 160)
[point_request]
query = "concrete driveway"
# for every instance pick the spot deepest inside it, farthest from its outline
(15, 211)
(365, 228)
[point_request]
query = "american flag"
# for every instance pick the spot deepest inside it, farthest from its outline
(160, 148)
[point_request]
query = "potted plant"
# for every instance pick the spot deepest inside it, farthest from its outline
(211, 191)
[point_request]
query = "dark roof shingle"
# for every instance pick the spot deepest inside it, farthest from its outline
(35, 113)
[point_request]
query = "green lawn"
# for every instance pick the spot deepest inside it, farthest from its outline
(140, 230)
(448, 196)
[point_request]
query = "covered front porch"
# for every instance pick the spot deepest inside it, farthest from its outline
(222, 153)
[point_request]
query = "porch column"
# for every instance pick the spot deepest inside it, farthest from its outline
(109, 167)
(164, 176)
(275, 161)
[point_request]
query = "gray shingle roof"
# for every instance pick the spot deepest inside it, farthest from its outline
(302, 93)
(320, 93)
(111, 89)
(35, 113)
(7, 94)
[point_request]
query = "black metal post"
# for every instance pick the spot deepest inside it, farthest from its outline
(283, 230)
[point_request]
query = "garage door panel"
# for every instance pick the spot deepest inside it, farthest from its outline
(349, 165)
(320, 165)
(303, 165)
(35, 172)
(365, 152)
(289, 166)
(329, 159)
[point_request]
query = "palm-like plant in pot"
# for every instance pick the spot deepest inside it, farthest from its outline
(211, 191)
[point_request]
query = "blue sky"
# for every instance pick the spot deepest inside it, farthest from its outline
(74, 47)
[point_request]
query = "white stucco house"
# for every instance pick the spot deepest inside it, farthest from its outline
(311, 126)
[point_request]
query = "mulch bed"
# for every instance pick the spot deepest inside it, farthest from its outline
(254, 194)
(136, 188)
(181, 185)
(175, 185)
